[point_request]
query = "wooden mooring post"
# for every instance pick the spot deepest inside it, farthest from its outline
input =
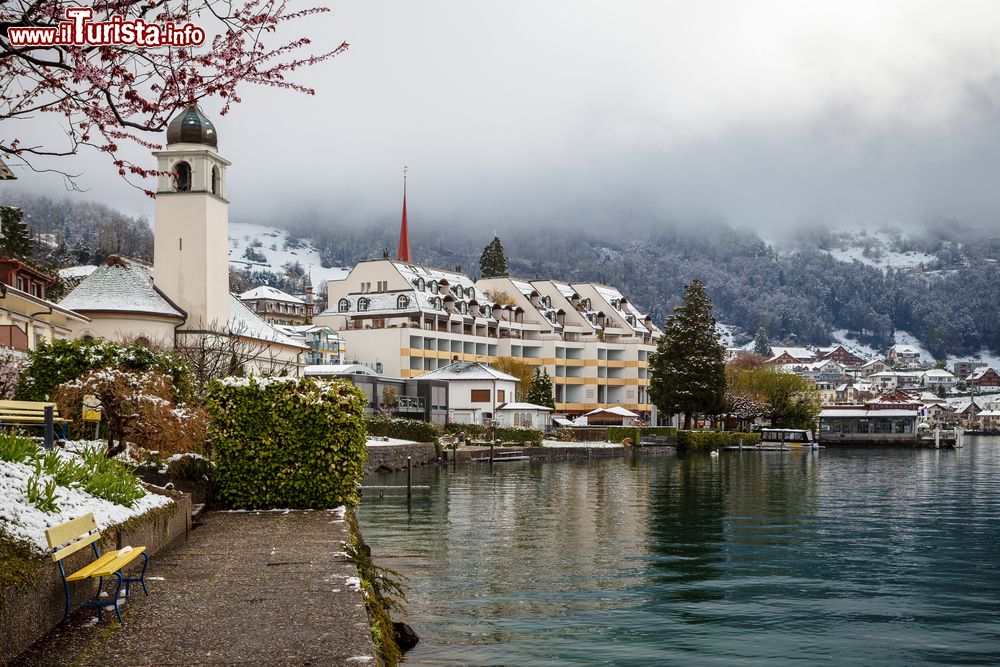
(409, 476)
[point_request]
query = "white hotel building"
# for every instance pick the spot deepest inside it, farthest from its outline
(409, 319)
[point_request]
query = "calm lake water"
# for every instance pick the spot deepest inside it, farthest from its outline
(881, 557)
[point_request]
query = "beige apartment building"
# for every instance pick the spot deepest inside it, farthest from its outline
(405, 320)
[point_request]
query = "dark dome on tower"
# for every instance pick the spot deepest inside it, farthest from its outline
(191, 126)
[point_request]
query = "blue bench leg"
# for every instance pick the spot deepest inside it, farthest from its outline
(141, 578)
(118, 589)
(62, 572)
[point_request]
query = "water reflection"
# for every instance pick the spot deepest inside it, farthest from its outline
(853, 556)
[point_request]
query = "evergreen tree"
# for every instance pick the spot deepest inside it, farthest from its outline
(540, 390)
(760, 343)
(688, 371)
(493, 261)
(16, 241)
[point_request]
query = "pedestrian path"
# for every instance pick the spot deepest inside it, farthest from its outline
(254, 588)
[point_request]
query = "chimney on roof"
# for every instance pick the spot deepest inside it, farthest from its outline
(385, 253)
(458, 268)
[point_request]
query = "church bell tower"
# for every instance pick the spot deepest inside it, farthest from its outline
(191, 237)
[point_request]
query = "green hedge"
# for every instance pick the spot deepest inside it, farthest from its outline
(54, 362)
(520, 435)
(703, 440)
(403, 429)
(287, 442)
(471, 431)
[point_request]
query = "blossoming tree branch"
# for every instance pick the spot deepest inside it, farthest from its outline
(111, 94)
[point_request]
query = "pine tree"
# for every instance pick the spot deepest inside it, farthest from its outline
(687, 371)
(493, 261)
(760, 343)
(16, 241)
(540, 390)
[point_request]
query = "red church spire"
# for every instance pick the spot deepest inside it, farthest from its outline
(404, 236)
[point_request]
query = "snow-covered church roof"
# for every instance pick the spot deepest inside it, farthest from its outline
(245, 323)
(121, 285)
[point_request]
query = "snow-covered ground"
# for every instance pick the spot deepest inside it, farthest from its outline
(73, 272)
(905, 338)
(23, 521)
(866, 352)
(985, 356)
(383, 442)
(242, 234)
(879, 254)
(727, 335)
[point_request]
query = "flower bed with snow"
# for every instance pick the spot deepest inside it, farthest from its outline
(23, 521)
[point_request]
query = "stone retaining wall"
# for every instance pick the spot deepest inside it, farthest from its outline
(466, 454)
(383, 458)
(28, 615)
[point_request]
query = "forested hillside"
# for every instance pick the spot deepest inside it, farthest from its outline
(70, 231)
(942, 285)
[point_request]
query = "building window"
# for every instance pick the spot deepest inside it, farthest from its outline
(215, 180)
(362, 304)
(421, 285)
(480, 396)
(343, 306)
(182, 177)
(402, 301)
(22, 284)
(487, 311)
(501, 395)
(434, 287)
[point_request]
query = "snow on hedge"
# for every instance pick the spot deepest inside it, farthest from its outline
(22, 521)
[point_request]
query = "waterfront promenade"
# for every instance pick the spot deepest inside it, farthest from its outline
(248, 588)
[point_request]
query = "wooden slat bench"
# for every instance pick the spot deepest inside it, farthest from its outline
(69, 537)
(30, 413)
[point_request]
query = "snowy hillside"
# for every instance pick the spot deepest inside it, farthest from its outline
(904, 338)
(271, 244)
(876, 249)
(854, 347)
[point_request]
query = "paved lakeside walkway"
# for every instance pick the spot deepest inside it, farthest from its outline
(253, 588)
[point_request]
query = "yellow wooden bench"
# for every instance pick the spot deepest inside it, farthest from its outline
(69, 537)
(29, 413)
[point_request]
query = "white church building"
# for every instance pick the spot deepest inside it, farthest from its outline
(183, 299)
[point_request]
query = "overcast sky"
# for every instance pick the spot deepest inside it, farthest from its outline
(536, 111)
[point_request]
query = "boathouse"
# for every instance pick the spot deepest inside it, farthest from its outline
(888, 419)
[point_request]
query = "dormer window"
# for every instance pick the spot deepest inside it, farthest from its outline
(547, 302)
(363, 304)
(343, 306)
(421, 285)
(402, 301)
(434, 287)
(487, 312)
(470, 292)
